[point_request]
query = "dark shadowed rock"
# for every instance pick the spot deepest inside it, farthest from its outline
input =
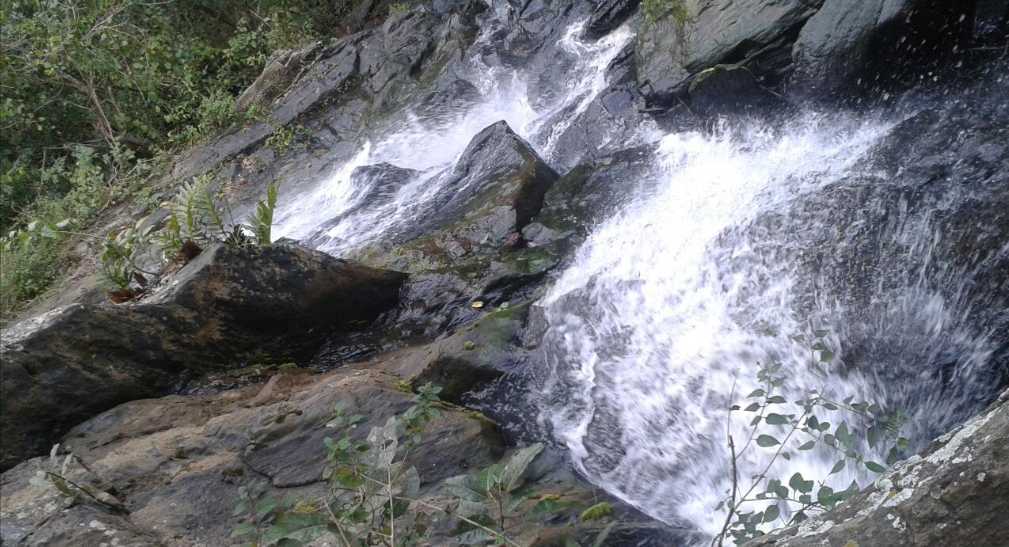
(609, 15)
(955, 493)
(729, 89)
(225, 307)
(877, 44)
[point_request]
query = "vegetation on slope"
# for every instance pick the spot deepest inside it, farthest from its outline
(97, 95)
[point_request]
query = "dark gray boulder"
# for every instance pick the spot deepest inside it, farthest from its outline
(227, 306)
(754, 33)
(466, 242)
(609, 15)
(875, 45)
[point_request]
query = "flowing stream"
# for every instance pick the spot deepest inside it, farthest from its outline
(668, 309)
(430, 146)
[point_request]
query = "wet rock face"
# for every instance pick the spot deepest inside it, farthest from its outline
(609, 15)
(877, 44)
(754, 33)
(226, 305)
(176, 464)
(730, 90)
(466, 245)
(956, 493)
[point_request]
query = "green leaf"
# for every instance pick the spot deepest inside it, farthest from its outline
(826, 356)
(753, 407)
(781, 491)
(873, 436)
(756, 393)
(874, 467)
(265, 506)
(598, 511)
(843, 434)
(776, 419)
(771, 513)
(775, 400)
(766, 441)
(243, 529)
(807, 445)
(514, 470)
(475, 537)
(799, 484)
(825, 496)
(837, 467)
(603, 534)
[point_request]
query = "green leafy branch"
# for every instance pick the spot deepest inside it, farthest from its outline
(803, 431)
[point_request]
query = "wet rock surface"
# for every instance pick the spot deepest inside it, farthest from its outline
(754, 34)
(467, 246)
(227, 306)
(877, 44)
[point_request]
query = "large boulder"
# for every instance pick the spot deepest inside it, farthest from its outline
(228, 306)
(171, 471)
(466, 241)
(176, 464)
(754, 33)
(874, 45)
(729, 89)
(955, 493)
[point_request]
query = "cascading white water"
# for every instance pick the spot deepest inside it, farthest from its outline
(432, 145)
(666, 310)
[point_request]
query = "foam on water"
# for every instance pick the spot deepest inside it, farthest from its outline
(651, 329)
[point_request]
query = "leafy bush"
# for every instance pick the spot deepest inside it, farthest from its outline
(93, 91)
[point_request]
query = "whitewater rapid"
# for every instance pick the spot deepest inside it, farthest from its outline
(670, 306)
(431, 146)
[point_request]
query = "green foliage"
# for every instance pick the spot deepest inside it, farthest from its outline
(374, 497)
(787, 427)
(398, 7)
(596, 512)
(28, 263)
(655, 10)
(199, 214)
(93, 91)
(262, 219)
(118, 256)
(282, 138)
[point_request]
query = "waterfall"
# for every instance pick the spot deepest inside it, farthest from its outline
(673, 304)
(431, 145)
(661, 319)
